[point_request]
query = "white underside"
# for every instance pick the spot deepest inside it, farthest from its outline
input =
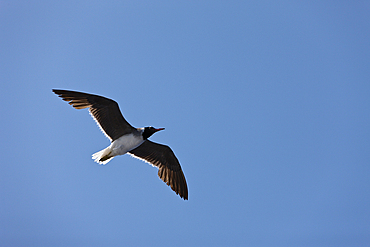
(118, 147)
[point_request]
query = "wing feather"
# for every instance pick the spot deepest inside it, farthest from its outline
(104, 111)
(169, 169)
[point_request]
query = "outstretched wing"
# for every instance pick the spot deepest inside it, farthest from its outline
(104, 111)
(165, 160)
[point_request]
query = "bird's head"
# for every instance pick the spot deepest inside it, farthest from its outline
(148, 131)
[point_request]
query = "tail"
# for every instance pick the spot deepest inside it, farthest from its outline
(103, 156)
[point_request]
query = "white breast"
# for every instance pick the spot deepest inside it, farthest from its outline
(125, 143)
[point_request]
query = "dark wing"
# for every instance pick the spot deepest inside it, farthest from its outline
(165, 160)
(104, 111)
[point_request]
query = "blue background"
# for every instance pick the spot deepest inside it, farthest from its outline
(265, 103)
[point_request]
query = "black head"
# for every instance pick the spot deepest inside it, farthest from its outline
(148, 131)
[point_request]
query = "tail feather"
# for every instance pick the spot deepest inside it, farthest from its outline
(103, 156)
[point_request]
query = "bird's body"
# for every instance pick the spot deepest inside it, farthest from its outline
(127, 139)
(120, 146)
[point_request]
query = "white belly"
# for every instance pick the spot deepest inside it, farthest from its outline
(125, 143)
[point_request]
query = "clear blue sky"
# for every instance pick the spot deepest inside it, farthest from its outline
(265, 103)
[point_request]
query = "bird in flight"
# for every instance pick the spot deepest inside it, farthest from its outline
(127, 139)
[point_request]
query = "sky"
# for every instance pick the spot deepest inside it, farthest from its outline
(266, 104)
